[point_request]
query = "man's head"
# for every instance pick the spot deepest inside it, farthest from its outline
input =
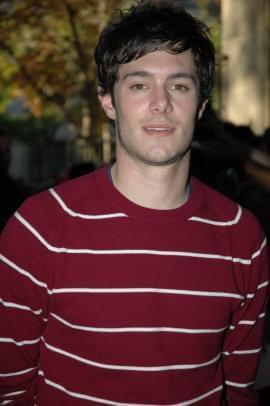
(154, 26)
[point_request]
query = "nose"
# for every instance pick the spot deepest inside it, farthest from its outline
(160, 101)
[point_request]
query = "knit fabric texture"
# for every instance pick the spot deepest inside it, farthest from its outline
(106, 302)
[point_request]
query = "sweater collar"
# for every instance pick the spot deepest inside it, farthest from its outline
(106, 190)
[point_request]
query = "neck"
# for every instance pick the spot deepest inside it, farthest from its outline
(154, 187)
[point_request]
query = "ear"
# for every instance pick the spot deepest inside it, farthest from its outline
(107, 104)
(201, 109)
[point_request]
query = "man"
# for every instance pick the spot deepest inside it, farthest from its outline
(136, 285)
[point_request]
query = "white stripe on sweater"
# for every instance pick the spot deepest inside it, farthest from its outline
(243, 352)
(19, 392)
(79, 395)
(248, 322)
(263, 285)
(22, 271)
(146, 290)
(238, 384)
(19, 343)
(19, 306)
(16, 373)
(65, 250)
(252, 322)
(260, 286)
(136, 329)
(73, 213)
(219, 223)
(155, 368)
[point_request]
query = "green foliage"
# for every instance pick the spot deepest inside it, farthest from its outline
(46, 48)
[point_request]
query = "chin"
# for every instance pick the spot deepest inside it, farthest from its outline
(162, 161)
(166, 159)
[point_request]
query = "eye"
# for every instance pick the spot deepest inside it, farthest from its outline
(138, 86)
(180, 87)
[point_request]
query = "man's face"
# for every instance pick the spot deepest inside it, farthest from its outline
(155, 106)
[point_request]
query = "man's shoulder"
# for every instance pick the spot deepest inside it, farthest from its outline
(222, 210)
(64, 201)
(75, 191)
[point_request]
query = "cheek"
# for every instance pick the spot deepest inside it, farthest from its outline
(130, 111)
(190, 110)
(124, 120)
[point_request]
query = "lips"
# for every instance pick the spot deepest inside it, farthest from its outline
(159, 130)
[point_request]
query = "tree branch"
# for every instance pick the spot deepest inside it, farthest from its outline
(57, 99)
(76, 40)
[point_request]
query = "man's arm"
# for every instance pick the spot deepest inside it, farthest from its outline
(242, 344)
(23, 304)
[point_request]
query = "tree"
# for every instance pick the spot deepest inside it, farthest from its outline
(46, 51)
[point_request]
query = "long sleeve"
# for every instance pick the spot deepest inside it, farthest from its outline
(23, 303)
(242, 344)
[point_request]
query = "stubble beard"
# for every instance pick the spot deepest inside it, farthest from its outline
(136, 155)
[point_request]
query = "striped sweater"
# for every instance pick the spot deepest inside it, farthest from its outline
(106, 302)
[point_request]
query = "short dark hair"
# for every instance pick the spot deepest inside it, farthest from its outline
(149, 26)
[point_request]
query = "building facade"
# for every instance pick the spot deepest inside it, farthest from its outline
(245, 63)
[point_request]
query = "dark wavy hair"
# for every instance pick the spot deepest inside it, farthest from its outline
(149, 26)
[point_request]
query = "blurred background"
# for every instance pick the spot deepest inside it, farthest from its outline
(52, 128)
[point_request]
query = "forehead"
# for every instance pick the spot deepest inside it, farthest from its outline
(161, 64)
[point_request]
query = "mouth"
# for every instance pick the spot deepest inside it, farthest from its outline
(159, 130)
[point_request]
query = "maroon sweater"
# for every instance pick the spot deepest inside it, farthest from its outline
(106, 302)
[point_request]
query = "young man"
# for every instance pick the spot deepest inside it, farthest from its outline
(136, 285)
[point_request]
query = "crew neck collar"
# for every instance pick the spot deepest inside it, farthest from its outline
(108, 191)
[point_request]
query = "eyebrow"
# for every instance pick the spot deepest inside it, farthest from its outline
(177, 75)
